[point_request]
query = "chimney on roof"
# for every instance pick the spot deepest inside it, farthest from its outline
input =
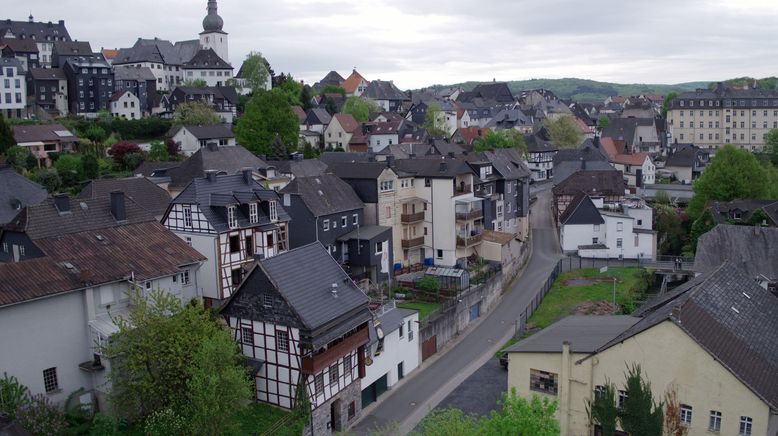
(298, 157)
(212, 146)
(583, 163)
(247, 179)
(443, 167)
(390, 161)
(61, 22)
(30, 17)
(211, 175)
(62, 202)
(118, 209)
(451, 154)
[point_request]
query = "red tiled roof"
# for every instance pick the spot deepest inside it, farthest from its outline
(109, 53)
(352, 82)
(347, 122)
(614, 154)
(469, 134)
(299, 112)
(148, 250)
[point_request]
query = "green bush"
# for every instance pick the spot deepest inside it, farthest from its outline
(39, 416)
(163, 423)
(69, 169)
(429, 286)
(12, 395)
(48, 178)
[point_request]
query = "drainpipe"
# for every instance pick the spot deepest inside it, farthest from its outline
(564, 390)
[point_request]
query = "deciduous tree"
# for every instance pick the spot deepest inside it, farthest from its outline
(771, 145)
(732, 173)
(197, 112)
(359, 108)
(120, 149)
(666, 103)
(69, 169)
(435, 122)
(501, 139)
(6, 136)
(268, 114)
(563, 132)
(520, 416)
(255, 71)
(602, 123)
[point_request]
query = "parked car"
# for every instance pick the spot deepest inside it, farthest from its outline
(504, 359)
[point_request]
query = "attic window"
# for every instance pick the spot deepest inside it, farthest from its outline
(253, 213)
(232, 218)
(100, 237)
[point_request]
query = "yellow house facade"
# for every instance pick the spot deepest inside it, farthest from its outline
(695, 343)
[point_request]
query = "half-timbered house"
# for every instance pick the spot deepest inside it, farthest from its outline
(303, 324)
(231, 219)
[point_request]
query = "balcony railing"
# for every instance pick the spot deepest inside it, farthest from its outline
(469, 241)
(411, 243)
(471, 215)
(312, 365)
(409, 218)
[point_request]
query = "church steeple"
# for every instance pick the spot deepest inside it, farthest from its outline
(212, 22)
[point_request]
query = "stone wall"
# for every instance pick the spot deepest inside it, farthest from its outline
(320, 417)
(455, 316)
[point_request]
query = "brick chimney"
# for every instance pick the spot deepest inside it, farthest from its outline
(118, 209)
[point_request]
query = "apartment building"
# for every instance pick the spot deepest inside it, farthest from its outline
(712, 118)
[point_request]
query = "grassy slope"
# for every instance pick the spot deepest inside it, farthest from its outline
(561, 300)
(424, 308)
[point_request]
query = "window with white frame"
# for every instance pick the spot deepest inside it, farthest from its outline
(714, 423)
(273, 210)
(619, 226)
(232, 217)
(50, 382)
(596, 227)
(745, 426)
(343, 221)
(334, 373)
(318, 383)
(386, 186)
(355, 219)
(253, 212)
(282, 341)
(619, 243)
(187, 216)
(622, 398)
(185, 280)
(326, 225)
(686, 415)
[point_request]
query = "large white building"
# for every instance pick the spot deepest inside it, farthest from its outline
(13, 88)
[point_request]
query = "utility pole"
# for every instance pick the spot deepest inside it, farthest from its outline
(614, 291)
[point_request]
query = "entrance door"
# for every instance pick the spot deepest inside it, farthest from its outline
(400, 371)
(475, 311)
(335, 416)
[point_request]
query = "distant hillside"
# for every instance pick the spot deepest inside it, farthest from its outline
(590, 90)
(741, 82)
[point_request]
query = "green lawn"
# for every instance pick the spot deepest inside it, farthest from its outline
(561, 300)
(424, 308)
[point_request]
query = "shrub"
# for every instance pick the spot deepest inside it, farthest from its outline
(48, 178)
(69, 169)
(163, 423)
(19, 158)
(428, 285)
(90, 167)
(40, 416)
(122, 148)
(133, 160)
(12, 395)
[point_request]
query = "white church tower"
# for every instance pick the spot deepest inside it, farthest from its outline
(212, 35)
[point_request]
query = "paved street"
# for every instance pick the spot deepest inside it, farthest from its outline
(479, 393)
(425, 389)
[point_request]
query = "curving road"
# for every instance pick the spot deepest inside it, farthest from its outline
(411, 400)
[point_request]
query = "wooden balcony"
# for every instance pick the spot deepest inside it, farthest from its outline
(411, 243)
(410, 218)
(312, 365)
(471, 215)
(462, 189)
(468, 242)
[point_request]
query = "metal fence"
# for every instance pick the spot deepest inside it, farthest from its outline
(538, 298)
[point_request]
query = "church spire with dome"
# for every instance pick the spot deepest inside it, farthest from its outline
(212, 22)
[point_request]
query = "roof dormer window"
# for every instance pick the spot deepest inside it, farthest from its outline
(273, 209)
(232, 217)
(253, 213)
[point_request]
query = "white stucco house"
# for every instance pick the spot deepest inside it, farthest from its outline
(191, 138)
(125, 104)
(393, 351)
(591, 231)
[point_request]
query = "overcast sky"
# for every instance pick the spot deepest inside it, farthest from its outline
(424, 42)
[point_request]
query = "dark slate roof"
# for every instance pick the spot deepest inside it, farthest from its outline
(229, 160)
(358, 170)
(752, 249)
(72, 48)
(332, 78)
(536, 143)
(585, 333)
(384, 90)
(133, 73)
(624, 128)
(20, 45)
(563, 170)
(159, 51)
(317, 116)
(731, 317)
(609, 182)
(391, 320)
(509, 119)
(332, 157)
(47, 74)
(207, 59)
(300, 168)
(146, 250)
(17, 192)
(366, 233)
(226, 190)
(325, 194)
(494, 91)
(685, 157)
(208, 131)
(434, 167)
(321, 293)
(42, 132)
(508, 163)
(155, 169)
(581, 211)
(141, 190)
(405, 150)
(445, 148)
(38, 29)
(44, 220)
(723, 211)
(139, 53)
(589, 153)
